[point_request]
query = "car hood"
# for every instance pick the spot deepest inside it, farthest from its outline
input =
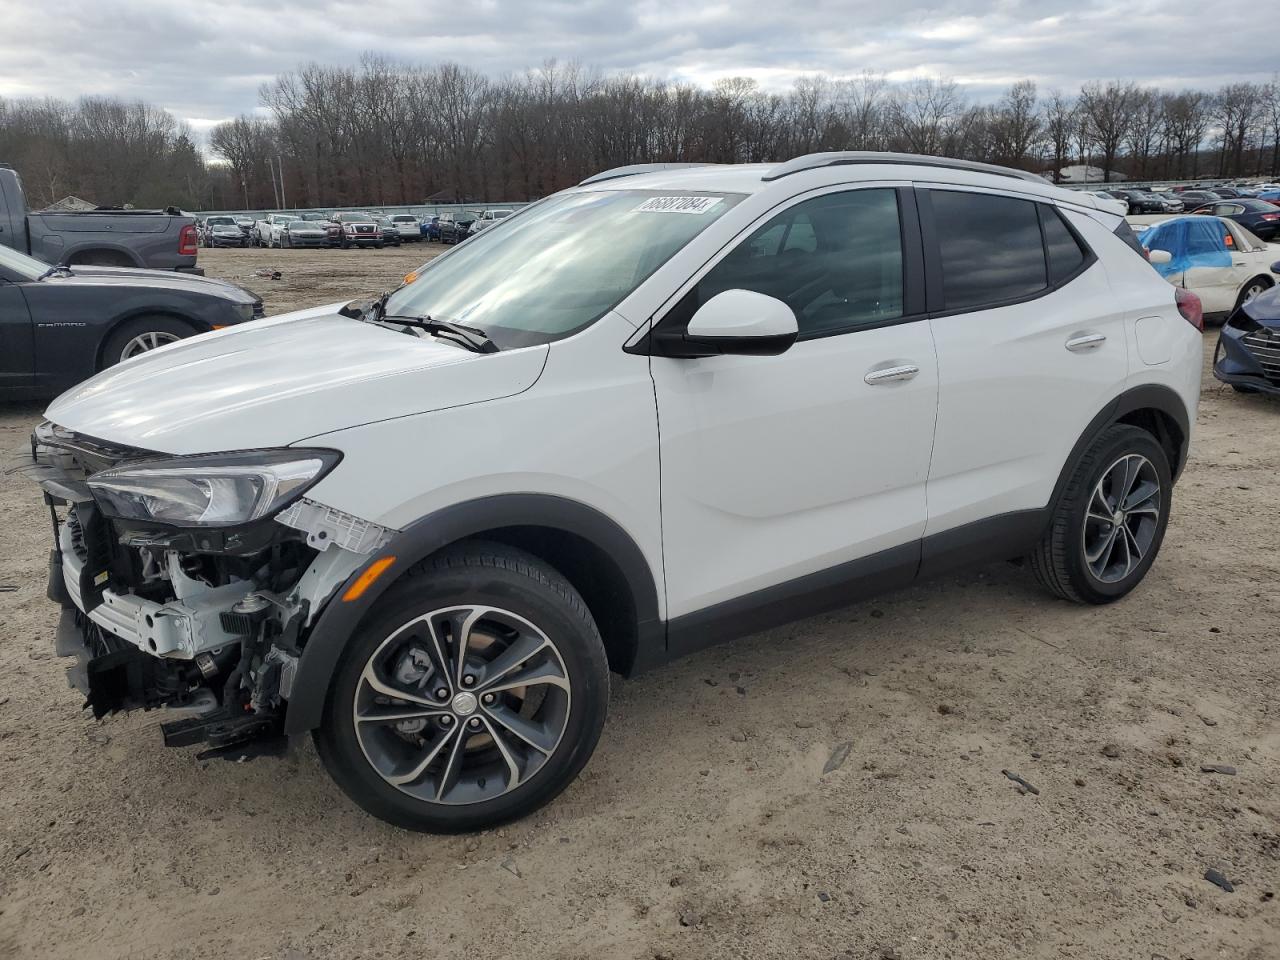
(160, 279)
(270, 383)
(1265, 308)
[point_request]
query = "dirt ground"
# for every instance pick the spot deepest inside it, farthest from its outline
(705, 825)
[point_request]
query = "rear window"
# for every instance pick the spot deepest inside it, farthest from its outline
(990, 247)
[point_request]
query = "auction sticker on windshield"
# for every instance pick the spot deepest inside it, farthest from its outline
(678, 205)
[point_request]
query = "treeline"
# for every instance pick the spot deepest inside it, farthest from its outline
(386, 132)
(103, 150)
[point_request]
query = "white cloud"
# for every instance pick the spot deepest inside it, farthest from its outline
(204, 60)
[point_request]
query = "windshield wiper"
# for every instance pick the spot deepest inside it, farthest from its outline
(374, 311)
(470, 337)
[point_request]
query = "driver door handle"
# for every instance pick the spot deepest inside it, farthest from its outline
(891, 374)
(1087, 341)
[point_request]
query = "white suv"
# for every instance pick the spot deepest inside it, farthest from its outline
(665, 407)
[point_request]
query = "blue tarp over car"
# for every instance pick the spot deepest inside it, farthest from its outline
(1190, 241)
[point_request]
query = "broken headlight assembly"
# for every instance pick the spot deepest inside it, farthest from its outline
(210, 490)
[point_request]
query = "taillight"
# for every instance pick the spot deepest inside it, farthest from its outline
(1271, 216)
(1190, 307)
(187, 241)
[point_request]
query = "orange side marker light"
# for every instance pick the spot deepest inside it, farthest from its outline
(366, 579)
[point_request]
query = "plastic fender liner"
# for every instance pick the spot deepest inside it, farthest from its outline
(339, 618)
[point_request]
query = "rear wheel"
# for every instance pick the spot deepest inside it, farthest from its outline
(1108, 525)
(474, 693)
(142, 335)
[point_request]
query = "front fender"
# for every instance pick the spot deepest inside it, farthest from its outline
(339, 618)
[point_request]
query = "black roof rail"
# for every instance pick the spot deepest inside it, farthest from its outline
(813, 161)
(633, 169)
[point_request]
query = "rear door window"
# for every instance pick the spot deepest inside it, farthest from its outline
(990, 249)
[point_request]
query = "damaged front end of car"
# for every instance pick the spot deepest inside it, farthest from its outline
(188, 583)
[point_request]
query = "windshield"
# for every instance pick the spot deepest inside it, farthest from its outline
(220, 222)
(559, 266)
(29, 268)
(403, 218)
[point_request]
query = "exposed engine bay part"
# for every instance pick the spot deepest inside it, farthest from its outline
(202, 624)
(326, 527)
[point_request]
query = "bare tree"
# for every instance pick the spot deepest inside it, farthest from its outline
(1060, 120)
(1236, 111)
(1109, 111)
(921, 111)
(1016, 126)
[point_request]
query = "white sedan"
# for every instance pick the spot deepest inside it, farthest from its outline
(1218, 260)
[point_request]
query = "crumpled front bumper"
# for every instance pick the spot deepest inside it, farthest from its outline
(1248, 358)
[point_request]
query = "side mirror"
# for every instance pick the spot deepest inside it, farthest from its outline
(1159, 256)
(1275, 267)
(735, 322)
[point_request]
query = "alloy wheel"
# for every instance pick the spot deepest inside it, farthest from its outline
(144, 342)
(1122, 518)
(1252, 291)
(462, 705)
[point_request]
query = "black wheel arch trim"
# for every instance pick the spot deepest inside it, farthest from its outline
(1148, 396)
(339, 619)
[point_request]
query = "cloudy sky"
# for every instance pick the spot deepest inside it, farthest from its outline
(204, 60)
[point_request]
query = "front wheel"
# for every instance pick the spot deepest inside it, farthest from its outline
(473, 695)
(1253, 288)
(1108, 524)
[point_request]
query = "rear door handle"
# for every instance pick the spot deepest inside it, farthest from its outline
(1087, 341)
(891, 374)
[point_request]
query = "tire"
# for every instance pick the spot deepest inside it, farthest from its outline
(156, 330)
(1243, 388)
(1252, 289)
(378, 244)
(516, 588)
(285, 242)
(1064, 560)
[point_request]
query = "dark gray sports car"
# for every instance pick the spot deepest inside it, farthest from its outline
(59, 325)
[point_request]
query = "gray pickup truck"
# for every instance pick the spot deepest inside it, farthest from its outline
(159, 239)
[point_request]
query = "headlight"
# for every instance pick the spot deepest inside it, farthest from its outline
(244, 311)
(211, 490)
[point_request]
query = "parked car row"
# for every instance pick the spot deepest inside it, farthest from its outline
(346, 229)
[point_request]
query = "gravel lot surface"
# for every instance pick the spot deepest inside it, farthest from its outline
(830, 789)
